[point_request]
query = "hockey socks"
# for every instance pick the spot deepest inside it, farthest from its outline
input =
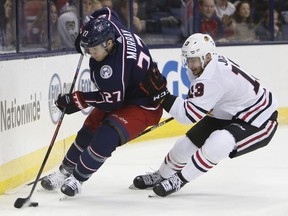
(103, 143)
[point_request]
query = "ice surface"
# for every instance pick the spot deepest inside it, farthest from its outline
(254, 184)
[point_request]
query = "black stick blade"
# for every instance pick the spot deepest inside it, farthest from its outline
(20, 202)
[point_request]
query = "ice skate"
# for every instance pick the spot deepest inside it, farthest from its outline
(55, 180)
(71, 186)
(169, 186)
(148, 180)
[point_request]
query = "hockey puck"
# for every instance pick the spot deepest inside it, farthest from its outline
(33, 204)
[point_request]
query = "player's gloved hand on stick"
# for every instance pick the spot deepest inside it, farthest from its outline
(154, 86)
(73, 102)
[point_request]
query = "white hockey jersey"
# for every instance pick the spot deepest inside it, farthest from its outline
(225, 91)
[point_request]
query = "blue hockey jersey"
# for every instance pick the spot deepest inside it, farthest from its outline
(117, 77)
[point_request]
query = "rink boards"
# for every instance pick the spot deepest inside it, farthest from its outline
(29, 88)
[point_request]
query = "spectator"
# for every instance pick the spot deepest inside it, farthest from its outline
(107, 3)
(2, 27)
(228, 26)
(224, 7)
(224, 10)
(285, 25)
(124, 16)
(187, 18)
(7, 26)
(208, 22)
(68, 25)
(33, 24)
(96, 5)
(55, 36)
(60, 4)
(87, 6)
(161, 8)
(160, 18)
(37, 34)
(243, 25)
(90, 6)
(262, 30)
(39, 29)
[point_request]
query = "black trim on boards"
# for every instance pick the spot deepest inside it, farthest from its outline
(45, 53)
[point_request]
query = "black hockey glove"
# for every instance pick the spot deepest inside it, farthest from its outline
(73, 102)
(154, 86)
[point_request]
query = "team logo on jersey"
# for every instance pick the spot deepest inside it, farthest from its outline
(70, 25)
(106, 72)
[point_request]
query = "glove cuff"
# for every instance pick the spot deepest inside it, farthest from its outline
(78, 100)
(168, 102)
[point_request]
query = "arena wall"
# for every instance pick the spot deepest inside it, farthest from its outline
(29, 87)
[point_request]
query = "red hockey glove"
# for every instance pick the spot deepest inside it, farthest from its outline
(154, 86)
(73, 102)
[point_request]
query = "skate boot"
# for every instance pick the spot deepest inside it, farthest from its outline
(55, 180)
(148, 180)
(71, 186)
(170, 185)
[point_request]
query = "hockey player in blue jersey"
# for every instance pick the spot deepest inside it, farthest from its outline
(119, 61)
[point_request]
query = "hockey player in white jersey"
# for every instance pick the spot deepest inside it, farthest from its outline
(234, 114)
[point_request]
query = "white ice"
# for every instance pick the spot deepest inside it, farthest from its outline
(254, 184)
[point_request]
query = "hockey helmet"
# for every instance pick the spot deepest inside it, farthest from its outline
(95, 32)
(198, 45)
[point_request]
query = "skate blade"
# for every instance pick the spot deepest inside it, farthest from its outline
(132, 187)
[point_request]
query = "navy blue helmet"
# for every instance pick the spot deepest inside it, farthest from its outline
(96, 31)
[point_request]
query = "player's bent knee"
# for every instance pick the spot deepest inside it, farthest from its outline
(105, 141)
(84, 137)
(219, 145)
(183, 149)
(123, 137)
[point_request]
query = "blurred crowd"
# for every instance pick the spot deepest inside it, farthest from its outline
(54, 24)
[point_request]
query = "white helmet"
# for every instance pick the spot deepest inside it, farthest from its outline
(198, 45)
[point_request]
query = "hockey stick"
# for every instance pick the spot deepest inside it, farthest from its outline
(155, 126)
(21, 201)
